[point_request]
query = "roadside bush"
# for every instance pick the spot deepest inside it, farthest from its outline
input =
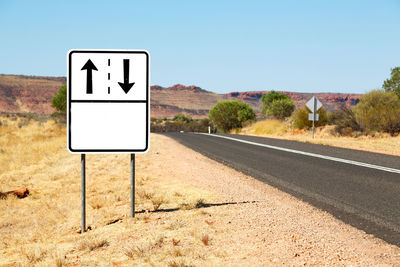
(300, 118)
(182, 118)
(281, 108)
(228, 115)
(277, 104)
(59, 101)
(344, 120)
(379, 111)
(162, 125)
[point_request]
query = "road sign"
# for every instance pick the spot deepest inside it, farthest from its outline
(311, 117)
(313, 104)
(108, 101)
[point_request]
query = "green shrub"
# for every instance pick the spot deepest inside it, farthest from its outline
(228, 115)
(270, 97)
(300, 118)
(277, 104)
(281, 108)
(59, 101)
(379, 111)
(199, 125)
(182, 118)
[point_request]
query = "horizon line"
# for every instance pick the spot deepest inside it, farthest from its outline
(230, 92)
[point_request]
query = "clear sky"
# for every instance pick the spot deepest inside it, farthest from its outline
(222, 46)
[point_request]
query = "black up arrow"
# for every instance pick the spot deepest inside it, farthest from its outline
(126, 86)
(89, 66)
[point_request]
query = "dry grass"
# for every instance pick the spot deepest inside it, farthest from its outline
(42, 228)
(92, 243)
(379, 142)
(158, 201)
(266, 127)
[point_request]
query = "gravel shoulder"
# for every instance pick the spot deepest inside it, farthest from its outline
(267, 226)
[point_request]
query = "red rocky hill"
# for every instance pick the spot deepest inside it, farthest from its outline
(33, 94)
(331, 101)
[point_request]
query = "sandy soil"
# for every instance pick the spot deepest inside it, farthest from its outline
(274, 228)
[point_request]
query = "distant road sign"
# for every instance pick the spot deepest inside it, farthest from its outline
(311, 117)
(314, 104)
(108, 101)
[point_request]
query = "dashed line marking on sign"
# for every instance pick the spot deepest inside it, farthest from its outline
(109, 63)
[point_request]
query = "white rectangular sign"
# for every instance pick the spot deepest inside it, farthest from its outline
(311, 117)
(108, 101)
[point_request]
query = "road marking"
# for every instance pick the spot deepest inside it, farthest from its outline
(357, 163)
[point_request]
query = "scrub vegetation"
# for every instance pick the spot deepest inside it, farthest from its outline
(364, 126)
(180, 122)
(327, 135)
(176, 223)
(42, 229)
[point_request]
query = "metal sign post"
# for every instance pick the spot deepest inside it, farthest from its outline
(313, 126)
(83, 193)
(313, 121)
(132, 185)
(314, 105)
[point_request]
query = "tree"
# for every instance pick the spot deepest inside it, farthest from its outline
(270, 97)
(393, 84)
(59, 101)
(277, 104)
(301, 121)
(379, 111)
(228, 115)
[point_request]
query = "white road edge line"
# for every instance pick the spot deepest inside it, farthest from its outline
(357, 163)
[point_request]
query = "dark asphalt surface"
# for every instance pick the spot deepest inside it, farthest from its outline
(366, 198)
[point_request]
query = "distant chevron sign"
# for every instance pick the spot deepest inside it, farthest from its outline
(314, 104)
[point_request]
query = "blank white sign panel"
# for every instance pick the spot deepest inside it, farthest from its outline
(103, 121)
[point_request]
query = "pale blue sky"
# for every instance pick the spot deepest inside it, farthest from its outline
(222, 46)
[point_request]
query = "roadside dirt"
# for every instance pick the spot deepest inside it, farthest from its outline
(267, 226)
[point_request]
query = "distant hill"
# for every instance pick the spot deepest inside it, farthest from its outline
(331, 101)
(28, 93)
(20, 93)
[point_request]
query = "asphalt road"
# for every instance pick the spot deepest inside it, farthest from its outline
(363, 196)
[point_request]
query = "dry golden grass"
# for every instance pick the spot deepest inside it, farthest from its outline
(380, 142)
(41, 229)
(265, 127)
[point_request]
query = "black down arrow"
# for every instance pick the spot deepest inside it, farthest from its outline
(126, 86)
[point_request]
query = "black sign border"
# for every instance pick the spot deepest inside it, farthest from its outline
(69, 76)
